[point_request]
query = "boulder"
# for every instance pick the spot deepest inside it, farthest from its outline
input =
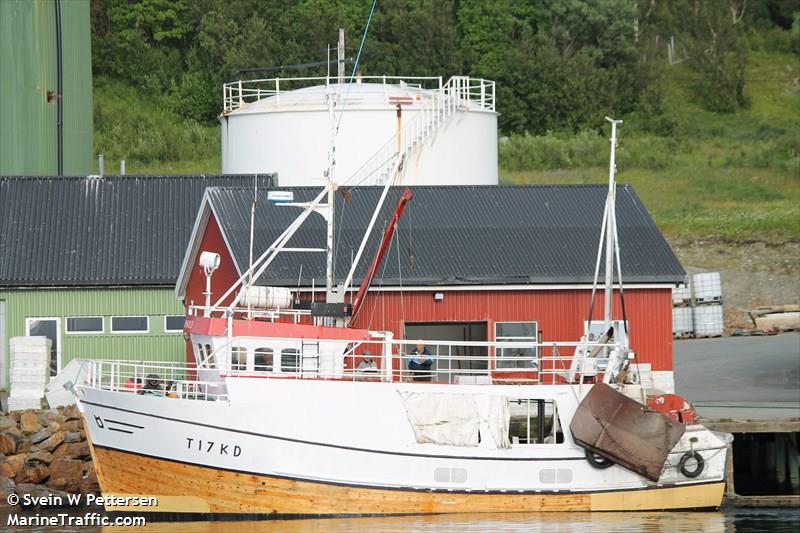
(29, 422)
(72, 436)
(32, 473)
(39, 491)
(50, 443)
(42, 434)
(53, 416)
(73, 450)
(11, 465)
(7, 422)
(71, 425)
(7, 486)
(9, 441)
(89, 483)
(6, 471)
(41, 457)
(65, 474)
(71, 413)
(25, 446)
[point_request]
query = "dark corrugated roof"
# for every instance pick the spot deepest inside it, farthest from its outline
(459, 235)
(120, 230)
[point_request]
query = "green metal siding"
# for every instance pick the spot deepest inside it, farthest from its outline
(28, 129)
(156, 345)
(77, 87)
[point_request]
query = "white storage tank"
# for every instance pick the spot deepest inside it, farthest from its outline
(708, 320)
(707, 288)
(446, 130)
(682, 321)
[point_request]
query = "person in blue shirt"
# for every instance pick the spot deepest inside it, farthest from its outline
(420, 366)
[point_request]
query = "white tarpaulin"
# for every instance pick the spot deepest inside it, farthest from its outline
(499, 420)
(438, 418)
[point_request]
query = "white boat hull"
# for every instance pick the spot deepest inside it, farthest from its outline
(317, 447)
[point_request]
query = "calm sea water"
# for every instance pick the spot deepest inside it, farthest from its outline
(728, 521)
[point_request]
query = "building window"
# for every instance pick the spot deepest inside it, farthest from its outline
(534, 422)
(84, 324)
(130, 324)
(517, 358)
(174, 323)
(263, 360)
(290, 360)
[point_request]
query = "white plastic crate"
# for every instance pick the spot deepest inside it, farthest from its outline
(32, 373)
(707, 287)
(30, 387)
(681, 295)
(682, 321)
(28, 362)
(20, 342)
(20, 404)
(708, 321)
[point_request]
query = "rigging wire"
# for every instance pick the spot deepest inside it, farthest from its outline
(355, 66)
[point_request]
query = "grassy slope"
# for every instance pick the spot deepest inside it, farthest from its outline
(729, 177)
(151, 138)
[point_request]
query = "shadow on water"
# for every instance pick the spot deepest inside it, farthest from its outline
(729, 520)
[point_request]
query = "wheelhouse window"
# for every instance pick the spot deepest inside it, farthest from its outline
(262, 361)
(596, 330)
(534, 422)
(84, 324)
(517, 358)
(238, 358)
(174, 323)
(290, 360)
(130, 324)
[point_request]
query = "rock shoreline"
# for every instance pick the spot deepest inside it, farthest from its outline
(45, 453)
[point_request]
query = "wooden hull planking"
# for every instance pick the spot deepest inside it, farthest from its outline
(187, 488)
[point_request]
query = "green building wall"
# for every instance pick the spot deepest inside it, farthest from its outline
(28, 70)
(154, 302)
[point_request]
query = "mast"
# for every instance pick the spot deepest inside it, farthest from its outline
(330, 173)
(611, 226)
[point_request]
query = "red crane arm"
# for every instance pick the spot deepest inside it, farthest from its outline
(388, 232)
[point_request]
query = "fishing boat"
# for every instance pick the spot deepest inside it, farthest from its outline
(284, 411)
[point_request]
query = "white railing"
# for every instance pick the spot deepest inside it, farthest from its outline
(271, 315)
(172, 380)
(479, 93)
(463, 362)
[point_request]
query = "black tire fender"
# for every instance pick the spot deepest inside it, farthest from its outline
(687, 470)
(598, 461)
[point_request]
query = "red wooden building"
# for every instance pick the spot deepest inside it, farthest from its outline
(466, 263)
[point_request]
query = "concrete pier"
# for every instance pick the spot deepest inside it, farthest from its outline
(749, 387)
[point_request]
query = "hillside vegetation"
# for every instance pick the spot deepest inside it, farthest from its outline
(712, 144)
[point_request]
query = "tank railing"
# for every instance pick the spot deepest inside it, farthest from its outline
(240, 92)
(172, 380)
(478, 92)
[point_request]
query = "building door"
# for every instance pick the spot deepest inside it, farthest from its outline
(3, 344)
(453, 358)
(50, 328)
